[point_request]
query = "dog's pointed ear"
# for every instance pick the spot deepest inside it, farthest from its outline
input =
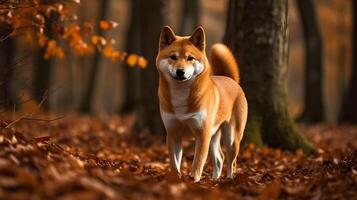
(167, 36)
(198, 38)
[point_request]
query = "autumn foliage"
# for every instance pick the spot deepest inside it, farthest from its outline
(51, 22)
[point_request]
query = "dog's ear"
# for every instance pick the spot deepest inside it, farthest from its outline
(167, 36)
(198, 38)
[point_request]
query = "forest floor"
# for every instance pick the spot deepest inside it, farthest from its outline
(82, 157)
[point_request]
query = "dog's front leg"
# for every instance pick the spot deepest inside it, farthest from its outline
(201, 151)
(175, 151)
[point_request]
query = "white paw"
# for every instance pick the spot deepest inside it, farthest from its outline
(196, 178)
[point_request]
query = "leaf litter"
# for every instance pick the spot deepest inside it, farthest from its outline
(82, 157)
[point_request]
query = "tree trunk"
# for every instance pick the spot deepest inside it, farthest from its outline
(6, 72)
(42, 74)
(349, 108)
(43, 68)
(132, 74)
(314, 105)
(257, 33)
(88, 96)
(342, 51)
(190, 13)
(151, 23)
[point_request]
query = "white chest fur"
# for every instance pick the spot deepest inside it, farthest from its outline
(194, 120)
(179, 95)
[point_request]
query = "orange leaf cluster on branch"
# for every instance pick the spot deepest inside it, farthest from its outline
(51, 21)
(52, 49)
(76, 40)
(134, 59)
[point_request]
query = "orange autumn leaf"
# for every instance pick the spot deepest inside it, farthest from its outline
(88, 26)
(42, 39)
(117, 56)
(107, 25)
(132, 59)
(104, 25)
(277, 153)
(265, 151)
(16, 23)
(107, 51)
(246, 154)
(95, 39)
(53, 50)
(142, 62)
(98, 40)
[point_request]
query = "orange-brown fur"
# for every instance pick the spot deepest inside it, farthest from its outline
(213, 101)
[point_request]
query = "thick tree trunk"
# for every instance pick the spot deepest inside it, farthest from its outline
(151, 23)
(349, 108)
(7, 49)
(314, 105)
(257, 33)
(132, 74)
(88, 96)
(190, 13)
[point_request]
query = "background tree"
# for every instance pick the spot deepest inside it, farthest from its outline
(42, 71)
(190, 16)
(88, 95)
(7, 49)
(133, 44)
(349, 108)
(257, 32)
(313, 99)
(152, 21)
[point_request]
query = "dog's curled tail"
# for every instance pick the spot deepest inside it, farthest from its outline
(223, 62)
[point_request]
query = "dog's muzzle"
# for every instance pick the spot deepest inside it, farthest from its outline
(181, 74)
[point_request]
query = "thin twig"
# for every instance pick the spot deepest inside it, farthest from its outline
(26, 118)
(29, 116)
(13, 122)
(43, 120)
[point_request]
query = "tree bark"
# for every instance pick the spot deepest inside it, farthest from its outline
(257, 32)
(152, 21)
(43, 70)
(132, 74)
(313, 100)
(349, 108)
(190, 14)
(6, 72)
(88, 96)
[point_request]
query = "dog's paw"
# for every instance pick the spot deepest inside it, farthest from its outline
(195, 176)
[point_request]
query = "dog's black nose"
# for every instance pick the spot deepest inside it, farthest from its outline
(180, 72)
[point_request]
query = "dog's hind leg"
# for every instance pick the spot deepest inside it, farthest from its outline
(216, 154)
(229, 145)
(233, 133)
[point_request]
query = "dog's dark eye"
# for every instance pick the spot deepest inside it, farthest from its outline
(190, 58)
(173, 57)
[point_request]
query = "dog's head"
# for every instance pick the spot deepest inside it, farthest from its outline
(181, 58)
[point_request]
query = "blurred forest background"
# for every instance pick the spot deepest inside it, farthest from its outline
(94, 84)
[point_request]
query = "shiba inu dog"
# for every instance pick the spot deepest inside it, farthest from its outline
(200, 99)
